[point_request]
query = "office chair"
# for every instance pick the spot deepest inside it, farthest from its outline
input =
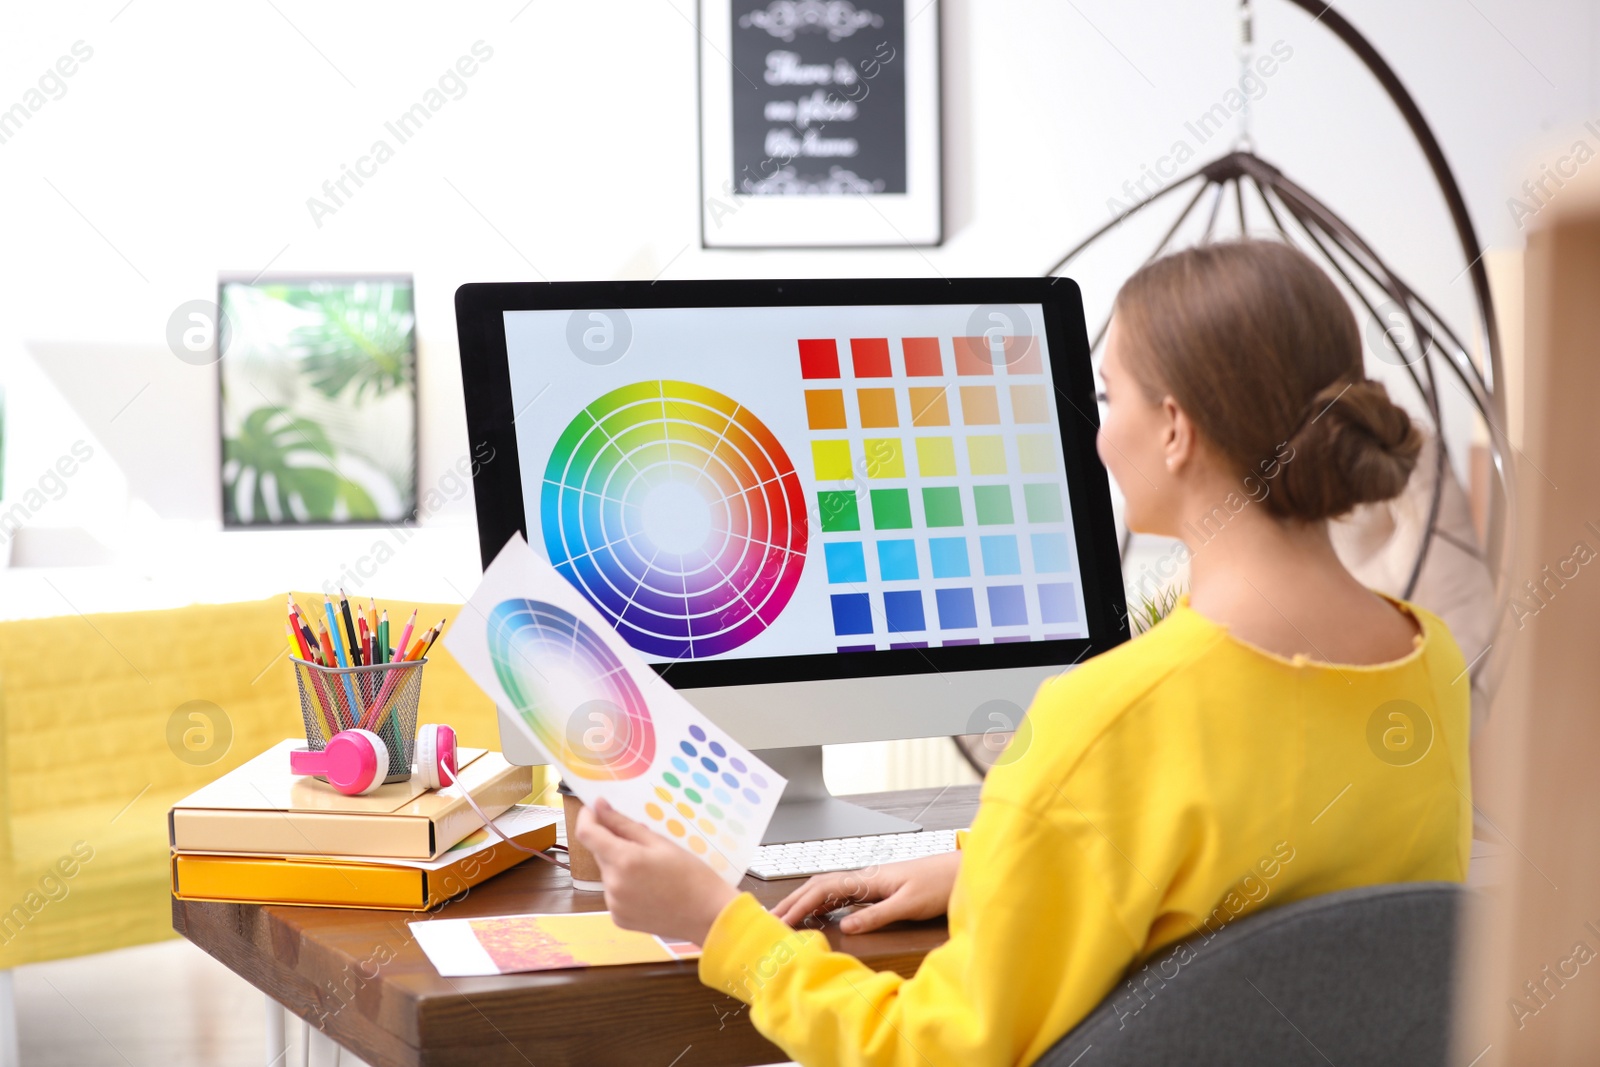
(1359, 976)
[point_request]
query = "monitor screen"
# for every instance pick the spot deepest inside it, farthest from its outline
(816, 490)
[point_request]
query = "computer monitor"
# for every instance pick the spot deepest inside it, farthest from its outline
(825, 511)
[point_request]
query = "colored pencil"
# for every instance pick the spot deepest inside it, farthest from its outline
(375, 712)
(367, 681)
(342, 660)
(386, 694)
(333, 631)
(419, 648)
(302, 622)
(354, 642)
(383, 636)
(294, 618)
(325, 645)
(297, 643)
(301, 639)
(438, 632)
(325, 654)
(311, 643)
(405, 636)
(415, 651)
(425, 642)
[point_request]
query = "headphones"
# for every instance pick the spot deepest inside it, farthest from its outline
(355, 762)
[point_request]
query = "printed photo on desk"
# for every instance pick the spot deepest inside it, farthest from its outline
(319, 400)
(508, 944)
(605, 719)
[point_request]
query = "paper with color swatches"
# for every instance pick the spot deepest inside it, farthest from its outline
(610, 725)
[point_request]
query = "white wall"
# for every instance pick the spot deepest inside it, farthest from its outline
(191, 140)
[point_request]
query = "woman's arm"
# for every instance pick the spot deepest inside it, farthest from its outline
(1034, 944)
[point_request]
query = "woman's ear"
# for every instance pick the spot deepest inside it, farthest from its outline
(1178, 439)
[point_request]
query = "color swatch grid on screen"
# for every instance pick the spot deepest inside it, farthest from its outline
(949, 455)
(571, 690)
(678, 515)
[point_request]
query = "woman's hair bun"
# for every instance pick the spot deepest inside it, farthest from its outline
(1259, 347)
(1355, 446)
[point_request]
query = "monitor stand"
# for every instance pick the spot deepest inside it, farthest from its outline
(808, 812)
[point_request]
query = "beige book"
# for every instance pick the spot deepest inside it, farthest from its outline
(260, 807)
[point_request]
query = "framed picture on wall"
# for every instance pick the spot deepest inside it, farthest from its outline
(819, 123)
(318, 387)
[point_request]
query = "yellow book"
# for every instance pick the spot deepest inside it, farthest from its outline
(352, 882)
(261, 808)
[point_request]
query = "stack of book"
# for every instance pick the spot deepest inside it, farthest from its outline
(262, 835)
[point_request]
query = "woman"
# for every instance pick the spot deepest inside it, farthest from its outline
(1285, 732)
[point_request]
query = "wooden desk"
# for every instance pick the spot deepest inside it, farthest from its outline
(376, 994)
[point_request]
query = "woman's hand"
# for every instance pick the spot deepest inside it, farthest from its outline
(910, 889)
(651, 884)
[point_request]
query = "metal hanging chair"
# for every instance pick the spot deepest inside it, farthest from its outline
(1418, 338)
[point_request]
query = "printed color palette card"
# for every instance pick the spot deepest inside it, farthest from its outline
(605, 719)
(508, 944)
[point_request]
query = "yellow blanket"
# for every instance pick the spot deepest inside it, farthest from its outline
(105, 720)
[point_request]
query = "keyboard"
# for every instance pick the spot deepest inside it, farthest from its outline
(801, 859)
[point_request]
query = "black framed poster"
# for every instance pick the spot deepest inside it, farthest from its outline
(819, 123)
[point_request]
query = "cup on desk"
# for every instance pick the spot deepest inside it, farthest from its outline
(585, 868)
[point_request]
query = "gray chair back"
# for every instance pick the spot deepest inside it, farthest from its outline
(1361, 976)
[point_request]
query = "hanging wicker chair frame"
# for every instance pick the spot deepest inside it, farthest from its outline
(1436, 353)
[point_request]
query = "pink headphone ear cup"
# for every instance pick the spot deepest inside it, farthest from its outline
(353, 761)
(380, 753)
(445, 755)
(427, 755)
(436, 755)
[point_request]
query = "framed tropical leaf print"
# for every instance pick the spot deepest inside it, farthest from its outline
(319, 400)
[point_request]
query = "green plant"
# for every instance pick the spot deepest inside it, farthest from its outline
(363, 338)
(280, 469)
(1151, 610)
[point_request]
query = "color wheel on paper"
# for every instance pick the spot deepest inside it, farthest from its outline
(571, 689)
(677, 513)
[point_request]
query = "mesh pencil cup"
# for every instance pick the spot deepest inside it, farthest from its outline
(381, 697)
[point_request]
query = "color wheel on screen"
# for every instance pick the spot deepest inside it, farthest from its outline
(571, 689)
(678, 515)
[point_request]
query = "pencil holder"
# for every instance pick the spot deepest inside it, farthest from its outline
(381, 697)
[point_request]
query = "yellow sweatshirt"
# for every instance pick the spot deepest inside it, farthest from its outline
(1166, 788)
